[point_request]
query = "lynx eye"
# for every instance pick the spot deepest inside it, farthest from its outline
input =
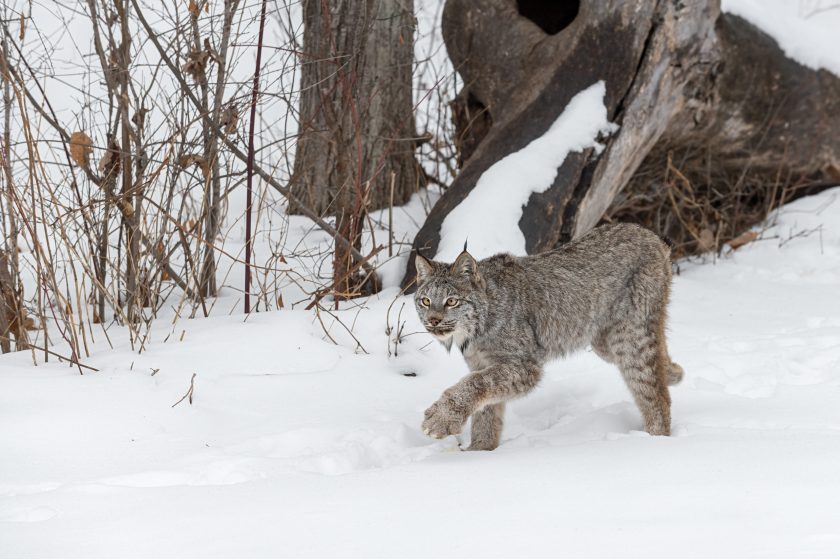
(452, 302)
(425, 301)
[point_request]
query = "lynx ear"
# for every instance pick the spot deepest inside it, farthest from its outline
(424, 268)
(465, 265)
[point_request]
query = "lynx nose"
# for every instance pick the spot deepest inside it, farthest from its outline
(434, 321)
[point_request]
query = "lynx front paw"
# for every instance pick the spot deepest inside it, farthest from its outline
(443, 419)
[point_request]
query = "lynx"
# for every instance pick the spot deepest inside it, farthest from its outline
(510, 315)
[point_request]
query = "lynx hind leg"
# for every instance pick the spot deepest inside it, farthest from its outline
(487, 427)
(637, 353)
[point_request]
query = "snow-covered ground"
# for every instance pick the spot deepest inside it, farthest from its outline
(298, 447)
(303, 440)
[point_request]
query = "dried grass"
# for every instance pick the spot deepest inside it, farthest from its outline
(700, 205)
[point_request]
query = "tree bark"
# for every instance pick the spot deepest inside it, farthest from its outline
(134, 284)
(679, 76)
(357, 130)
(12, 314)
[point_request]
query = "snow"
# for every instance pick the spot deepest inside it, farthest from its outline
(806, 30)
(297, 447)
(489, 217)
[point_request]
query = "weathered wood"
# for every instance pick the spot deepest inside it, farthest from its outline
(680, 76)
(540, 80)
(12, 313)
(674, 77)
(766, 112)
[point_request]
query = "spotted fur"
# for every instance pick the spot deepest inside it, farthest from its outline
(510, 315)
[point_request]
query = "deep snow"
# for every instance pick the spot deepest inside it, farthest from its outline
(296, 447)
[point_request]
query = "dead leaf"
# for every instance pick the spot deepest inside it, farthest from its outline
(186, 160)
(139, 118)
(22, 27)
(193, 8)
(706, 240)
(196, 66)
(110, 162)
(112, 72)
(211, 51)
(81, 147)
(126, 207)
(742, 239)
(832, 170)
(192, 159)
(280, 304)
(229, 118)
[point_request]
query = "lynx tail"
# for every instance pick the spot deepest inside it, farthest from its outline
(675, 374)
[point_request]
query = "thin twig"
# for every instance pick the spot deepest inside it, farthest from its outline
(242, 156)
(68, 359)
(250, 164)
(189, 393)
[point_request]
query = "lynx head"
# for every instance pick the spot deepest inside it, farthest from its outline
(448, 298)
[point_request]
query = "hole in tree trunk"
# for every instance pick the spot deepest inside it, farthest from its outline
(472, 122)
(551, 15)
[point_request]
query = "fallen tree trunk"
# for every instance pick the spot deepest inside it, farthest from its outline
(680, 79)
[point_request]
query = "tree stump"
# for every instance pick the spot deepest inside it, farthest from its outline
(357, 132)
(680, 76)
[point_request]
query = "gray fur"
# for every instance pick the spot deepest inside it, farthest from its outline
(511, 315)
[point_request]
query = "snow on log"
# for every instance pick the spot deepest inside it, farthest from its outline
(489, 217)
(680, 78)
